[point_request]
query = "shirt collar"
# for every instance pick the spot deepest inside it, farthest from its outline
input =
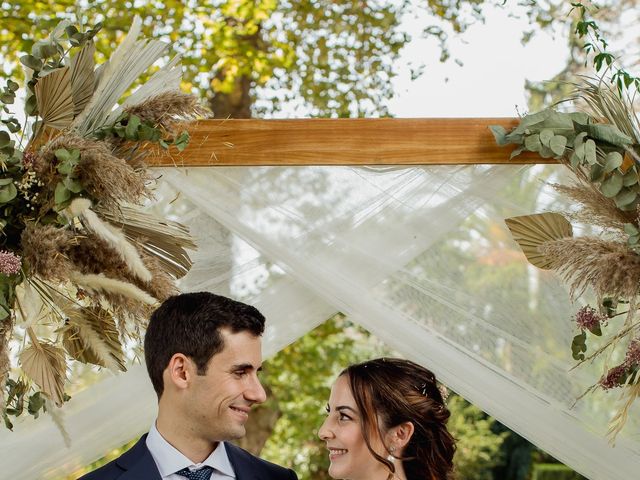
(170, 460)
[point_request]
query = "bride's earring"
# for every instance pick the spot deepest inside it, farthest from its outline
(391, 458)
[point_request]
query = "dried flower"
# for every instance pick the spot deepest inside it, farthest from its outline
(588, 319)
(632, 359)
(613, 377)
(10, 263)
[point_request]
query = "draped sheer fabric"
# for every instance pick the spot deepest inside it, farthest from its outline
(419, 256)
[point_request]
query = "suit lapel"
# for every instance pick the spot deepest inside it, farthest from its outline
(138, 463)
(242, 463)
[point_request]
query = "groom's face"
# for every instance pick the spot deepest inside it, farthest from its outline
(221, 400)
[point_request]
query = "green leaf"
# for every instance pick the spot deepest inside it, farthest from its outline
(499, 133)
(73, 185)
(5, 181)
(5, 139)
(63, 155)
(596, 330)
(545, 136)
(611, 186)
(590, 152)
(612, 161)
(606, 133)
(532, 143)
(631, 229)
(48, 50)
(31, 105)
(630, 178)
(625, 197)
(62, 193)
(557, 144)
(8, 193)
(13, 86)
(31, 62)
(578, 346)
(132, 127)
(596, 172)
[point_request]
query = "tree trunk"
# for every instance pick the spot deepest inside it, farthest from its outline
(236, 104)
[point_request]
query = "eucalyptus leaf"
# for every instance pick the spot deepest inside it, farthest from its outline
(73, 185)
(63, 155)
(31, 105)
(516, 152)
(532, 143)
(630, 178)
(596, 172)
(612, 185)
(613, 160)
(557, 144)
(499, 133)
(13, 86)
(625, 197)
(8, 193)
(5, 181)
(606, 133)
(545, 136)
(590, 152)
(5, 139)
(630, 229)
(31, 62)
(62, 194)
(132, 127)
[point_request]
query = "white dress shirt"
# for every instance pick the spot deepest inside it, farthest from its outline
(169, 460)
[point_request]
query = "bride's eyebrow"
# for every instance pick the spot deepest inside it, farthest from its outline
(346, 407)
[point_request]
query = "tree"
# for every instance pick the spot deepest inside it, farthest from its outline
(335, 57)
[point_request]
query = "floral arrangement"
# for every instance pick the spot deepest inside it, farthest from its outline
(600, 143)
(81, 263)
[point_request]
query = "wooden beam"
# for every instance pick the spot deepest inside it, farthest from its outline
(382, 141)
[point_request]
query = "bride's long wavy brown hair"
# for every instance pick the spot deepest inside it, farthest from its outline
(391, 391)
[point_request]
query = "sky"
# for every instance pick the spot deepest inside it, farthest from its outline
(491, 80)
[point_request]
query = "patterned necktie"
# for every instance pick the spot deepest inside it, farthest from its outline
(203, 473)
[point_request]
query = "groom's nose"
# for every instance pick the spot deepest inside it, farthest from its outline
(256, 392)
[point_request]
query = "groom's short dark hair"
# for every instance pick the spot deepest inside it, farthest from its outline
(190, 324)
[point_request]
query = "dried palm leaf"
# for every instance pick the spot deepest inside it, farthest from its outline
(127, 63)
(80, 208)
(83, 77)
(55, 98)
(166, 79)
(91, 336)
(111, 285)
(163, 239)
(531, 231)
(44, 364)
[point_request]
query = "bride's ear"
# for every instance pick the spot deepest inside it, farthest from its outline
(398, 436)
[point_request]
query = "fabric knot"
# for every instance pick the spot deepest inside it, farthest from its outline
(203, 473)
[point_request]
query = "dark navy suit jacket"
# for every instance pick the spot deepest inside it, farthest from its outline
(138, 464)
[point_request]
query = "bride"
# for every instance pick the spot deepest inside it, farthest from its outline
(386, 420)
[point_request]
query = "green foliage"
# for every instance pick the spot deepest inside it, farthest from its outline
(335, 56)
(478, 448)
(554, 471)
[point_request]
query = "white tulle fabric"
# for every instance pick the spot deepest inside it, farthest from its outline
(419, 256)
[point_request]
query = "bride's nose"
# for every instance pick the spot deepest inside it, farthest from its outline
(325, 432)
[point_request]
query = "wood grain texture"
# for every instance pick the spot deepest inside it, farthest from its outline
(382, 141)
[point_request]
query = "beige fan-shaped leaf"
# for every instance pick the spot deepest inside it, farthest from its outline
(163, 239)
(44, 364)
(83, 77)
(91, 336)
(55, 99)
(531, 231)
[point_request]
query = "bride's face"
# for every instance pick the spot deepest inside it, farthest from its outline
(348, 453)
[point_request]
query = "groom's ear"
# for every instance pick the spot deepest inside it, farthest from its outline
(179, 371)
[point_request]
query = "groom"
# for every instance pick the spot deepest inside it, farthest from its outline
(203, 354)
